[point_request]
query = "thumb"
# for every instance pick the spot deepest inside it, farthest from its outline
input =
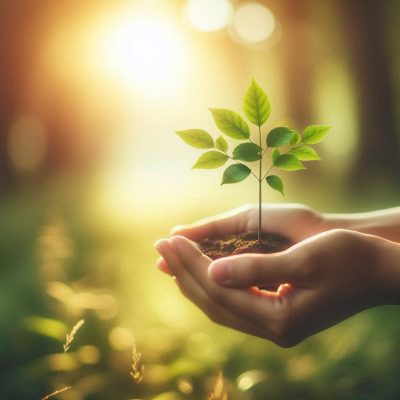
(251, 270)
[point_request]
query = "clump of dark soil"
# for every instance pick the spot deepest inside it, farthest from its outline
(246, 242)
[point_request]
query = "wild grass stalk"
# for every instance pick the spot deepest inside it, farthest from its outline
(71, 336)
(55, 393)
(137, 368)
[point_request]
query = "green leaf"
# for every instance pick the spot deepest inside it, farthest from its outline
(315, 133)
(197, 138)
(247, 152)
(256, 104)
(296, 138)
(275, 182)
(230, 123)
(305, 153)
(275, 155)
(279, 136)
(235, 173)
(288, 162)
(221, 144)
(210, 159)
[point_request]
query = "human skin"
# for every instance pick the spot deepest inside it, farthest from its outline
(329, 274)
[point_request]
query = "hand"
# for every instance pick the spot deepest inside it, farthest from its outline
(325, 279)
(295, 221)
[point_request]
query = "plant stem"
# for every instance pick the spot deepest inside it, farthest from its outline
(259, 187)
(234, 159)
(269, 169)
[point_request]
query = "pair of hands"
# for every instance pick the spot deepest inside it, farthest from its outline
(328, 275)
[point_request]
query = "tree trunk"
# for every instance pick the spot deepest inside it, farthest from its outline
(378, 152)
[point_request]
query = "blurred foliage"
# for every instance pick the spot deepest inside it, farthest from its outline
(102, 275)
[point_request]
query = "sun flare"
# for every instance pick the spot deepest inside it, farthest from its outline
(145, 51)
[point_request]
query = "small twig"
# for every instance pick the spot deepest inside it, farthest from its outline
(71, 336)
(137, 368)
(56, 393)
(269, 169)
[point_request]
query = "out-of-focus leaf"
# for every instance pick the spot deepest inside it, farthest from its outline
(46, 327)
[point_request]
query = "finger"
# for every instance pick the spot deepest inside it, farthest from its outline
(219, 225)
(247, 270)
(162, 265)
(194, 292)
(260, 308)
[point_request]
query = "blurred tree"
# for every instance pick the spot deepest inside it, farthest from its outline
(5, 89)
(16, 55)
(297, 59)
(364, 29)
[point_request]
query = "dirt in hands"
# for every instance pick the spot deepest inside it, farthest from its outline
(246, 242)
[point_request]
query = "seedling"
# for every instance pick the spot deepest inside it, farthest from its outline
(288, 148)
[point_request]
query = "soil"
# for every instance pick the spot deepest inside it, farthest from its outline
(246, 242)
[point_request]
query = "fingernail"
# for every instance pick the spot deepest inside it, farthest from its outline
(174, 242)
(220, 271)
(161, 245)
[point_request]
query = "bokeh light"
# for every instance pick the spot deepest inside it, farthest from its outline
(250, 378)
(184, 385)
(120, 338)
(208, 15)
(88, 354)
(253, 22)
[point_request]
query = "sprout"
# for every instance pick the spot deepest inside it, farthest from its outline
(288, 148)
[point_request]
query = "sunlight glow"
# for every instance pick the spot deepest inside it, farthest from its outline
(254, 22)
(208, 15)
(146, 51)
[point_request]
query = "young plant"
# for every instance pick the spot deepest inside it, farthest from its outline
(288, 148)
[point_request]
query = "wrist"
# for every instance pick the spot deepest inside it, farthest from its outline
(339, 221)
(388, 271)
(383, 223)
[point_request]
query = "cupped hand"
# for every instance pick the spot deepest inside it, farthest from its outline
(295, 221)
(324, 279)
